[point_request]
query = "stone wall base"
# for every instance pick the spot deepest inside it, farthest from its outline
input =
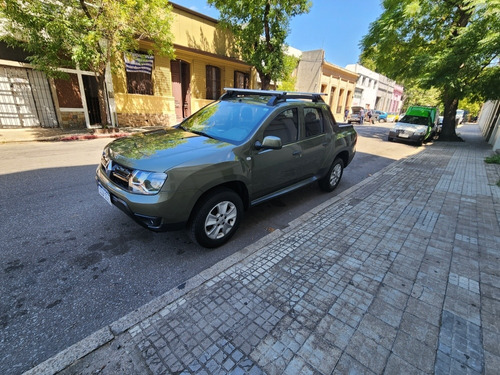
(136, 120)
(73, 120)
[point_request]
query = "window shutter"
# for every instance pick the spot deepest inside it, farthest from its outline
(209, 82)
(217, 83)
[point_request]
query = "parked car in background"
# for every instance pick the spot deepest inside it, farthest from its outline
(354, 115)
(459, 117)
(419, 124)
(392, 117)
(248, 147)
(381, 116)
(440, 123)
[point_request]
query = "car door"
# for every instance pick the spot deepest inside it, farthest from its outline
(275, 169)
(314, 142)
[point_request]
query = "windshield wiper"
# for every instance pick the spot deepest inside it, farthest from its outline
(201, 133)
(195, 131)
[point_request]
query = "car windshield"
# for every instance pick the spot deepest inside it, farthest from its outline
(227, 121)
(416, 120)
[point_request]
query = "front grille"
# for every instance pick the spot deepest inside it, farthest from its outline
(117, 173)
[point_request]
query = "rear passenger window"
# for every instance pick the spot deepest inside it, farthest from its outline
(314, 123)
(284, 126)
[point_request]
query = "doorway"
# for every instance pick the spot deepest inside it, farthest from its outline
(91, 91)
(181, 88)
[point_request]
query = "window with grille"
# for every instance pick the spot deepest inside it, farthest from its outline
(241, 80)
(139, 73)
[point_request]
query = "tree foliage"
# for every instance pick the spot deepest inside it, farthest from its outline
(450, 45)
(287, 83)
(261, 27)
(414, 95)
(85, 34)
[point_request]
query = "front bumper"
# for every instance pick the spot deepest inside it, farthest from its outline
(404, 135)
(157, 212)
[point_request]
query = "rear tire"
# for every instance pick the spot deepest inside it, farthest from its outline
(333, 177)
(216, 218)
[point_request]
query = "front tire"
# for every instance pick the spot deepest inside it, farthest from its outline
(217, 218)
(333, 177)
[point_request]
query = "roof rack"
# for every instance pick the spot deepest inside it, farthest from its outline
(275, 96)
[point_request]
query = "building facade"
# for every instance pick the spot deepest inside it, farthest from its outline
(489, 122)
(149, 90)
(365, 94)
(397, 99)
(375, 91)
(315, 74)
(385, 93)
(26, 95)
(205, 62)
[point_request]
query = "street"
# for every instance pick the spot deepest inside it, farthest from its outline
(72, 264)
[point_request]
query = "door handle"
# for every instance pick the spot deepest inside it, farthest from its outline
(297, 153)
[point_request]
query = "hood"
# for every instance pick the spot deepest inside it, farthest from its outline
(161, 150)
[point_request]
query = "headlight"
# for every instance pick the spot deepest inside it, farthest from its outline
(146, 182)
(420, 132)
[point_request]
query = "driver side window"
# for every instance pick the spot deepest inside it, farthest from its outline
(284, 126)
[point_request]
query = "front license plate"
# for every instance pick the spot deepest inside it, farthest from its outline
(403, 135)
(104, 193)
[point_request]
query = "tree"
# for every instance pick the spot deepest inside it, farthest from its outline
(451, 45)
(288, 81)
(85, 34)
(260, 28)
(413, 95)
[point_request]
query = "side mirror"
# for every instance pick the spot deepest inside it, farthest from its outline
(270, 142)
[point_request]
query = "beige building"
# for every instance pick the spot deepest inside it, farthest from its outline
(314, 74)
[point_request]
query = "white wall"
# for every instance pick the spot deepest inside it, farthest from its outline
(366, 87)
(488, 118)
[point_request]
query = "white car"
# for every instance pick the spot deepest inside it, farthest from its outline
(459, 116)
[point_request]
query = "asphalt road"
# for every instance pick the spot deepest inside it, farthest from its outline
(71, 264)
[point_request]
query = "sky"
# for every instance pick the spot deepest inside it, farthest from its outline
(336, 26)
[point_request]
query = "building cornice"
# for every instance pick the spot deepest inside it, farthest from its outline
(194, 13)
(210, 54)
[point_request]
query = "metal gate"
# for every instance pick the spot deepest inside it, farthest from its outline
(25, 99)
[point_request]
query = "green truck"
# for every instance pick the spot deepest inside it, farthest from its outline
(419, 124)
(243, 149)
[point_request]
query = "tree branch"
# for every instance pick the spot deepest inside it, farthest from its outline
(85, 9)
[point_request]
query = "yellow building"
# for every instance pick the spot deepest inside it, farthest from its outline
(314, 74)
(170, 90)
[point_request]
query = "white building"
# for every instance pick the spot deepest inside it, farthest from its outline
(365, 94)
(375, 91)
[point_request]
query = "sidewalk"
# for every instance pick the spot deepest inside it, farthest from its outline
(58, 134)
(399, 274)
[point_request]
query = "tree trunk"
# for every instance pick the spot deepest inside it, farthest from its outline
(448, 133)
(101, 95)
(265, 81)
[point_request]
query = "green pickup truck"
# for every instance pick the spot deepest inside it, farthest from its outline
(243, 149)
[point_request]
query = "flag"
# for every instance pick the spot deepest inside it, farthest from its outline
(138, 63)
